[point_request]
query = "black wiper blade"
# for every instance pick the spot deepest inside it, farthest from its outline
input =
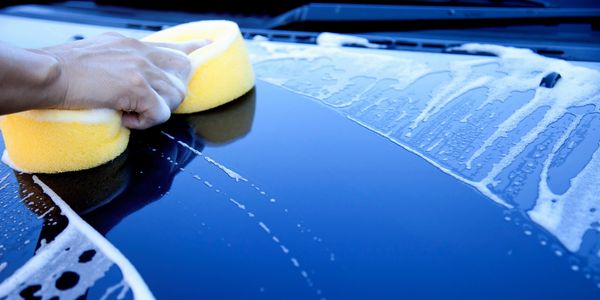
(368, 13)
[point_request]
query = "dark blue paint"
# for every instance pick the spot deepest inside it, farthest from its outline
(363, 217)
(575, 154)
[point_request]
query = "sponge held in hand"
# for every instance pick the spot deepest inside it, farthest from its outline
(54, 141)
(221, 70)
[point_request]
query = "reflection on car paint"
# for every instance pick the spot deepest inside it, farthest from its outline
(105, 195)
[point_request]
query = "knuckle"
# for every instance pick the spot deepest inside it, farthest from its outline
(138, 82)
(186, 67)
(140, 62)
(131, 42)
(130, 101)
(176, 56)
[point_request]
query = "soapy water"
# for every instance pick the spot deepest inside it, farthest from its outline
(38, 275)
(66, 265)
(485, 121)
(236, 177)
(130, 274)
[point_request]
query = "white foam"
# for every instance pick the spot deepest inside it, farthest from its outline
(4, 177)
(130, 274)
(122, 285)
(328, 39)
(377, 66)
(227, 171)
(238, 177)
(46, 213)
(7, 161)
(567, 219)
(518, 70)
(295, 262)
(234, 175)
(458, 85)
(264, 227)
(239, 205)
(37, 262)
(260, 38)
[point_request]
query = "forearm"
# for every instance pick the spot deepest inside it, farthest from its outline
(28, 80)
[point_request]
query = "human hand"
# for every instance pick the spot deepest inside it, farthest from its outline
(147, 81)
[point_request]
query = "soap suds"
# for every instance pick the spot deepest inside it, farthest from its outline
(130, 274)
(121, 285)
(227, 171)
(260, 38)
(3, 178)
(328, 39)
(237, 203)
(53, 259)
(7, 161)
(264, 227)
(484, 121)
(234, 175)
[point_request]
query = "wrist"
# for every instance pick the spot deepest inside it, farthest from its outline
(49, 79)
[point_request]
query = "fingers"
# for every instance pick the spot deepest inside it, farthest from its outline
(171, 61)
(154, 112)
(155, 93)
(160, 83)
(185, 47)
(170, 88)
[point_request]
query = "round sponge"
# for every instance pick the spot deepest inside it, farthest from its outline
(53, 141)
(221, 70)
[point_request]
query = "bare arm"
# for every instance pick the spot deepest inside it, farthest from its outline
(146, 81)
(28, 80)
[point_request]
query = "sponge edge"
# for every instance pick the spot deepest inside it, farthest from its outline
(54, 141)
(222, 70)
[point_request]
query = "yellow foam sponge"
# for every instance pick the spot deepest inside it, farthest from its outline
(221, 70)
(53, 141)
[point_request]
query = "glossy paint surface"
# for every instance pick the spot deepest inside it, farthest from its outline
(276, 195)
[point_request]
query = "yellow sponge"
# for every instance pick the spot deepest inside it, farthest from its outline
(221, 70)
(53, 141)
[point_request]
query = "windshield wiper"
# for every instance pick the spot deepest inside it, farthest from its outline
(370, 15)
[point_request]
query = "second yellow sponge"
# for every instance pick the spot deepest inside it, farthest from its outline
(221, 70)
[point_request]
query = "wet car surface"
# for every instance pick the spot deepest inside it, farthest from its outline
(289, 193)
